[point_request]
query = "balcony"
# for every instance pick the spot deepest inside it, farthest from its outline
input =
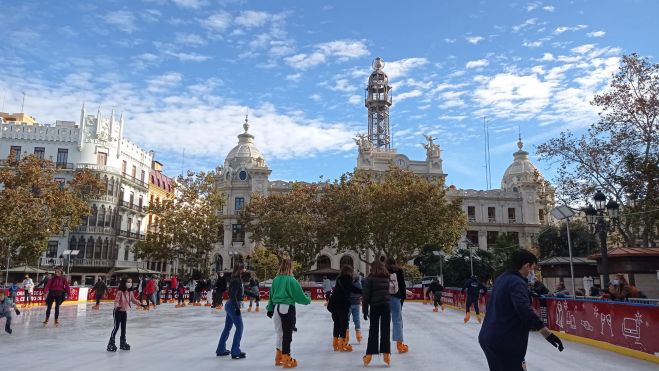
(131, 235)
(51, 262)
(491, 220)
(512, 221)
(472, 219)
(134, 180)
(92, 262)
(132, 206)
(64, 166)
(95, 229)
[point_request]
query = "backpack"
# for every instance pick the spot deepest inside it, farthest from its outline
(393, 284)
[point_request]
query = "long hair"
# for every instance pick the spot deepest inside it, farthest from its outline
(122, 283)
(392, 266)
(378, 270)
(237, 270)
(347, 270)
(285, 266)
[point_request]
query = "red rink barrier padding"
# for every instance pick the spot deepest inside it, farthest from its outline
(39, 298)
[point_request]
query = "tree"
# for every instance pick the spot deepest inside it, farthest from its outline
(504, 247)
(186, 227)
(619, 154)
(427, 261)
(553, 240)
(394, 215)
(290, 224)
(34, 206)
(457, 268)
(412, 273)
(265, 263)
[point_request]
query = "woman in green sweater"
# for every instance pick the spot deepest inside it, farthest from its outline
(284, 293)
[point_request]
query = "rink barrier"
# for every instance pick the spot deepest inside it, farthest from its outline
(76, 295)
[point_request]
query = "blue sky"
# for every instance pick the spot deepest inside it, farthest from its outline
(184, 72)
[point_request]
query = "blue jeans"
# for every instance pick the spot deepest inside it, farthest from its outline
(396, 318)
(232, 319)
(354, 311)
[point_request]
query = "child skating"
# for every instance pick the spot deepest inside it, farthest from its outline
(121, 305)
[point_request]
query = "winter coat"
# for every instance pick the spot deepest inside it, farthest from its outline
(236, 292)
(173, 283)
(435, 286)
(100, 288)
(376, 292)
(13, 289)
(356, 298)
(7, 307)
(56, 284)
(123, 299)
(28, 285)
(473, 288)
(150, 287)
(509, 316)
(286, 290)
(340, 299)
(221, 284)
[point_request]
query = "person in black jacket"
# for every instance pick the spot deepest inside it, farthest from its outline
(99, 288)
(396, 300)
(505, 333)
(473, 287)
(436, 289)
(375, 303)
(233, 317)
(220, 288)
(340, 308)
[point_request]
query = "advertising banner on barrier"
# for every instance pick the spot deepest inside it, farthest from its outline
(627, 325)
(39, 298)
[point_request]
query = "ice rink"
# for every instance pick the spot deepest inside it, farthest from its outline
(186, 338)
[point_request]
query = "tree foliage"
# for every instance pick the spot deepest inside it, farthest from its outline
(619, 154)
(187, 226)
(503, 248)
(265, 263)
(291, 224)
(553, 240)
(394, 214)
(427, 261)
(34, 206)
(457, 267)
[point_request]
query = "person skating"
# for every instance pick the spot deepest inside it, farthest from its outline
(198, 291)
(28, 287)
(355, 308)
(473, 287)
(56, 291)
(121, 305)
(376, 306)
(396, 299)
(99, 289)
(7, 306)
(192, 286)
(505, 333)
(150, 292)
(339, 305)
(233, 317)
(180, 294)
(327, 289)
(254, 295)
(13, 290)
(220, 288)
(436, 288)
(284, 293)
(173, 285)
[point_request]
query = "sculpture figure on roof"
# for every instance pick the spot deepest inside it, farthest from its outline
(432, 149)
(363, 143)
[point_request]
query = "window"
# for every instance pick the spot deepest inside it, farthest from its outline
(541, 215)
(472, 236)
(133, 171)
(124, 165)
(40, 152)
(242, 175)
(131, 198)
(129, 224)
(237, 233)
(471, 213)
(491, 215)
(111, 187)
(121, 193)
(52, 249)
(511, 215)
(94, 216)
(15, 152)
(492, 238)
(62, 157)
(125, 253)
(142, 175)
(138, 226)
(139, 202)
(101, 158)
(514, 237)
(240, 202)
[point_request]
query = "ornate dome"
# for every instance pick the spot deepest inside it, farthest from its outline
(245, 154)
(521, 170)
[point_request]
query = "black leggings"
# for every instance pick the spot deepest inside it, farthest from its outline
(58, 298)
(379, 329)
(181, 300)
(99, 296)
(472, 301)
(341, 318)
(287, 326)
(120, 317)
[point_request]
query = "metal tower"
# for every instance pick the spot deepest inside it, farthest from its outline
(378, 100)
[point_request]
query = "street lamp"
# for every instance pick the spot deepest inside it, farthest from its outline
(471, 259)
(595, 217)
(441, 269)
(69, 253)
(560, 213)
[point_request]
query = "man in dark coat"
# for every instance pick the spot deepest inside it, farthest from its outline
(220, 288)
(473, 287)
(505, 333)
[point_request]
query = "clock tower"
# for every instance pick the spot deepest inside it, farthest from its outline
(378, 101)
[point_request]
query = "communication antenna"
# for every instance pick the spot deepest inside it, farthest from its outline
(23, 103)
(488, 166)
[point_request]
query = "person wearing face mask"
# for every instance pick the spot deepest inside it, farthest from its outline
(121, 305)
(55, 291)
(504, 335)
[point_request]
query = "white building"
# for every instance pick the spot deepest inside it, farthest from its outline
(117, 218)
(519, 208)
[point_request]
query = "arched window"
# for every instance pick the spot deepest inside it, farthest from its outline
(98, 247)
(108, 218)
(81, 247)
(347, 260)
(106, 183)
(94, 216)
(218, 263)
(72, 243)
(101, 216)
(90, 247)
(323, 261)
(111, 187)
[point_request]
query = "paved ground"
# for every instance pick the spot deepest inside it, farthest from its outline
(185, 338)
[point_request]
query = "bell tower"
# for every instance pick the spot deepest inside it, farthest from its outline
(378, 101)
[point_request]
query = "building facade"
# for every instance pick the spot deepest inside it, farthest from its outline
(161, 188)
(118, 217)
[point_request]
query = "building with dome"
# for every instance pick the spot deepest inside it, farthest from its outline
(519, 208)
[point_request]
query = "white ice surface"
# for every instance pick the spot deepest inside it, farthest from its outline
(185, 339)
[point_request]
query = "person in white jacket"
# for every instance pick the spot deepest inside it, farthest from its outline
(28, 287)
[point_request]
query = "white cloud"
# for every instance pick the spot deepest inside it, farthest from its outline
(516, 97)
(218, 21)
(549, 8)
(341, 49)
(188, 57)
(582, 49)
(547, 57)
(560, 30)
(342, 85)
(315, 97)
(122, 19)
(523, 25)
(251, 18)
(532, 44)
(189, 39)
(294, 77)
(407, 95)
(190, 4)
(445, 86)
(477, 63)
(400, 68)
(356, 100)
(474, 39)
(533, 6)
(596, 34)
(449, 40)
